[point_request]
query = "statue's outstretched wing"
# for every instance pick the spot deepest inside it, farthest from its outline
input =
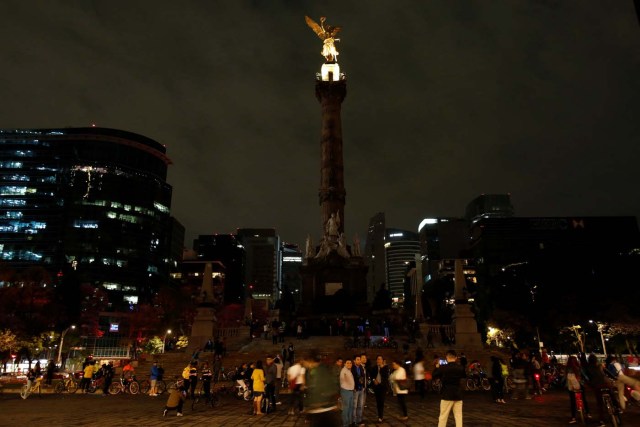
(332, 31)
(315, 27)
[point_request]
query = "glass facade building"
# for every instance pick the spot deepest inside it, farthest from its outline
(93, 202)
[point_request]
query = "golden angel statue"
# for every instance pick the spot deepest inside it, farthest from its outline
(327, 34)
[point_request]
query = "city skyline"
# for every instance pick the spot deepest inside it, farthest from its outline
(445, 101)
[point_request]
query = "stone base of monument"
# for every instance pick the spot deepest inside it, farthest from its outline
(203, 328)
(467, 335)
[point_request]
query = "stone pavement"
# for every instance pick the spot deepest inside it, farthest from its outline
(552, 409)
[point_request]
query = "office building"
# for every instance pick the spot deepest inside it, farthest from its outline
(92, 201)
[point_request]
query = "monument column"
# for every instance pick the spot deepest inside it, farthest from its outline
(332, 194)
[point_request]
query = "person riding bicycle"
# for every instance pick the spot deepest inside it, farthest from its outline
(31, 377)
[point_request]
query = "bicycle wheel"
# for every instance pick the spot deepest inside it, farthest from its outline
(134, 387)
(115, 388)
(248, 395)
(71, 386)
(471, 384)
(59, 387)
(161, 387)
(145, 386)
(24, 391)
(486, 385)
(214, 400)
(194, 402)
(91, 388)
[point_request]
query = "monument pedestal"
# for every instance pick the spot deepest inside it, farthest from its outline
(203, 328)
(467, 335)
(334, 284)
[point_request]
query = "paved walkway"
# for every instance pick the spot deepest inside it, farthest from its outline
(124, 410)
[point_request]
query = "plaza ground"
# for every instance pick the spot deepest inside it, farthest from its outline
(552, 409)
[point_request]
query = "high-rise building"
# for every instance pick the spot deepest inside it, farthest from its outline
(401, 247)
(92, 200)
(375, 256)
(291, 259)
(262, 268)
(489, 206)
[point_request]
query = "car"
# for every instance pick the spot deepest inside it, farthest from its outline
(7, 378)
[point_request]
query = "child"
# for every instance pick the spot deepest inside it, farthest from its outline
(176, 399)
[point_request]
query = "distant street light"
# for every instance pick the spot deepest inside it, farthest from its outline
(601, 327)
(164, 341)
(62, 342)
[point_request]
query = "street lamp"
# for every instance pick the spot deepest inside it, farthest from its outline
(62, 342)
(164, 341)
(600, 329)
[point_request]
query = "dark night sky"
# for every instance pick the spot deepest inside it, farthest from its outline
(446, 100)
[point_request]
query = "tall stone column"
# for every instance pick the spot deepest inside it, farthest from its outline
(332, 193)
(467, 335)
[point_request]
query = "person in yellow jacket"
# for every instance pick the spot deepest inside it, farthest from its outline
(176, 399)
(87, 375)
(257, 378)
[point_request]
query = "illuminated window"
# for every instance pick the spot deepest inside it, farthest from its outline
(133, 299)
(13, 202)
(111, 286)
(162, 208)
(10, 165)
(81, 223)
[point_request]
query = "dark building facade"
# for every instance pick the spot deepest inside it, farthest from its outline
(489, 206)
(262, 269)
(92, 202)
(226, 249)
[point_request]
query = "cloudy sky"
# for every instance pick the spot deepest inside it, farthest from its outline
(446, 100)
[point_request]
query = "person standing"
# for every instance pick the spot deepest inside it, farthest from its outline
(258, 380)
(450, 375)
(497, 380)
(107, 373)
(380, 375)
(279, 369)
(206, 376)
(51, 368)
(153, 379)
(347, 385)
(193, 378)
(270, 373)
(217, 367)
(360, 378)
(398, 379)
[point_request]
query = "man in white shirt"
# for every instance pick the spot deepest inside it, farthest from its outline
(296, 375)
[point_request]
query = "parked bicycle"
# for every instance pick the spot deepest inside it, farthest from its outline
(200, 400)
(68, 385)
(611, 406)
(31, 388)
(145, 386)
(130, 386)
(478, 380)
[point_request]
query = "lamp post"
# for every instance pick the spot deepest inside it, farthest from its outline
(62, 342)
(164, 341)
(600, 328)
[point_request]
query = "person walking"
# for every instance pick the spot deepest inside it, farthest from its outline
(596, 380)
(296, 377)
(450, 375)
(380, 375)
(400, 389)
(419, 376)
